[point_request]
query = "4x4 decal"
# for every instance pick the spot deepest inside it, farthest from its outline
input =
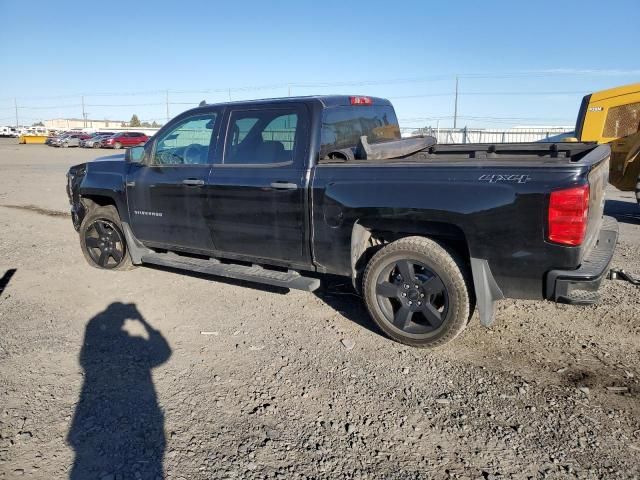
(500, 177)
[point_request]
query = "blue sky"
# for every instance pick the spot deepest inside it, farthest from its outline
(519, 62)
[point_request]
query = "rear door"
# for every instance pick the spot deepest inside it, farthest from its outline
(167, 194)
(128, 139)
(257, 187)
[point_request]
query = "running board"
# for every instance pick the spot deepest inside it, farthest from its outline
(254, 273)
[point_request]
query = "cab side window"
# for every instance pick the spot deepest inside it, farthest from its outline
(261, 137)
(187, 143)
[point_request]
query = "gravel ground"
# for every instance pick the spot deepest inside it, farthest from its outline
(153, 374)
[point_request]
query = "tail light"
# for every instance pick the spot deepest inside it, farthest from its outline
(568, 212)
(361, 100)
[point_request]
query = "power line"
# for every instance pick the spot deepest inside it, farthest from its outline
(50, 107)
(124, 104)
(355, 83)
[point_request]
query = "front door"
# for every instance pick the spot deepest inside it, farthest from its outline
(167, 194)
(258, 185)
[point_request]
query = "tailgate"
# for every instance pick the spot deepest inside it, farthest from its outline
(598, 179)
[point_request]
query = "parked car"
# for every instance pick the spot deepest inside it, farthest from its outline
(8, 132)
(96, 140)
(70, 140)
(55, 140)
(125, 139)
(54, 137)
(264, 190)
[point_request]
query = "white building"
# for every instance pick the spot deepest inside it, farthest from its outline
(70, 123)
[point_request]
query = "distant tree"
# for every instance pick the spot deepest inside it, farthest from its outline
(155, 124)
(135, 121)
(145, 125)
(38, 124)
(123, 124)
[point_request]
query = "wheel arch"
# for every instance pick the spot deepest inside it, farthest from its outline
(92, 198)
(370, 235)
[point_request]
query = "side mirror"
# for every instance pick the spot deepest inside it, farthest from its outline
(134, 154)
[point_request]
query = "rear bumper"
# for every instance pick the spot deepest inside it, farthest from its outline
(575, 286)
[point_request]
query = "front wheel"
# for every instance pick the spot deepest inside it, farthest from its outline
(102, 240)
(117, 145)
(417, 292)
(65, 145)
(638, 190)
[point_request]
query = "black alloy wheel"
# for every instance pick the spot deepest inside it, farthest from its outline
(418, 291)
(104, 244)
(411, 297)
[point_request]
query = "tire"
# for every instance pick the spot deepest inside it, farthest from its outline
(64, 145)
(638, 190)
(439, 292)
(117, 145)
(103, 223)
(96, 145)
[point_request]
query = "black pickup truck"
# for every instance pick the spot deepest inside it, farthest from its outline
(267, 190)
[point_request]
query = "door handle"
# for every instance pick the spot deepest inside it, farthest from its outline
(284, 186)
(193, 182)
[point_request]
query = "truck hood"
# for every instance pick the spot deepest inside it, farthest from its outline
(109, 164)
(118, 157)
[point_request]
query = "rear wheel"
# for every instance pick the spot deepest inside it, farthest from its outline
(102, 240)
(638, 190)
(96, 145)
(417, 292)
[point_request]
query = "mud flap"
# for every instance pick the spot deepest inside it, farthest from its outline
(136, 249)
(487, 290)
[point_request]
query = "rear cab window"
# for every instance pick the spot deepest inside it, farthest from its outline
(342, 126)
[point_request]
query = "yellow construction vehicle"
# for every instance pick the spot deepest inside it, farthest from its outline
(613, 116)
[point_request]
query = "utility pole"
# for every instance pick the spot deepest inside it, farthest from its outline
(455, 107)
(15, 103)
(167, 98)
(289, 89)
(84, 115)
(229, 94)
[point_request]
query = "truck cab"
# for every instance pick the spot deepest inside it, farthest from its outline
(196, 183)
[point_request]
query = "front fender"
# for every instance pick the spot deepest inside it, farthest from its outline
(104, 182)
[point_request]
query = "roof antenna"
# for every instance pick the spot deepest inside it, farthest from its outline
(202, 103)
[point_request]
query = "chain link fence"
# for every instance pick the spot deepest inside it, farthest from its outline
(481, 135)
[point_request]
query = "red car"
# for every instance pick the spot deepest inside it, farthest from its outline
(125, 139)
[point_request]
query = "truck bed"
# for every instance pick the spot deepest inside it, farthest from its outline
(524, 154)
(492, 197)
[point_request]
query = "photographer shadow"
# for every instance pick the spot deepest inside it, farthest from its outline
(118, 426)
